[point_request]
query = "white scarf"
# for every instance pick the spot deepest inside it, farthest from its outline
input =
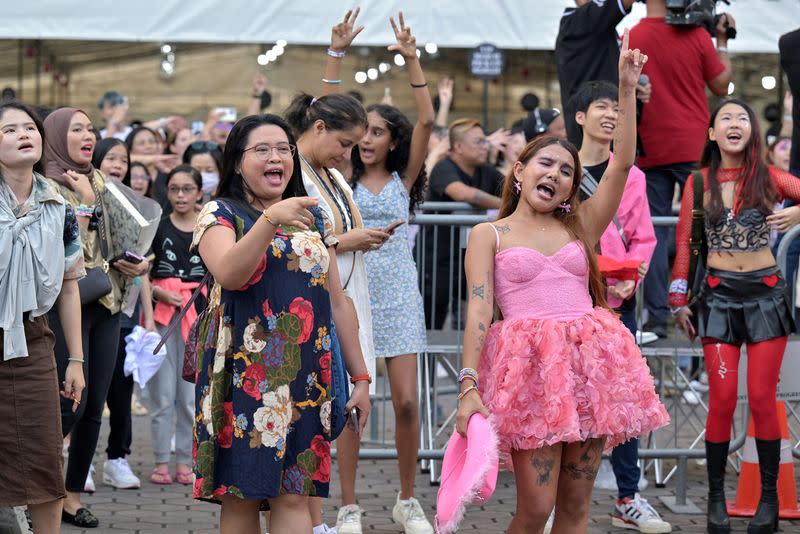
(31, 261)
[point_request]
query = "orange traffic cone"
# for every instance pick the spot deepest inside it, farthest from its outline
(749, 489)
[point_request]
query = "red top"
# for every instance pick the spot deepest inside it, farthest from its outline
(787, 185)
(681, 61)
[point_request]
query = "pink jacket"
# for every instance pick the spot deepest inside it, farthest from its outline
(634, 216)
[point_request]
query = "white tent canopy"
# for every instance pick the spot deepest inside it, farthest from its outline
(509, 24)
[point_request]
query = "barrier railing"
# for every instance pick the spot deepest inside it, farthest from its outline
(439, 253)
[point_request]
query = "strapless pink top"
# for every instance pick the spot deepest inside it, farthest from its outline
(529, 284)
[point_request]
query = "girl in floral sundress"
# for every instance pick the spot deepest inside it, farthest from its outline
(264, 364)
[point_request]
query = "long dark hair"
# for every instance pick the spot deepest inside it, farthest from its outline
(136, 131)
(187, 169)
(204, 147)
(127, 179)
(338, 112)
(231, 183)
(401, 130)
(101, 149)
(757, 189)
(37, 121)
(570, 220)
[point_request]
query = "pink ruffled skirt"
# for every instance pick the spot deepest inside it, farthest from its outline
(546, 381)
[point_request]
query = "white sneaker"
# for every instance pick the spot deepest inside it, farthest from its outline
(637, 514)
(323, 529)
(643, 338)
(89, 486)
(549, 525)
(410, 516)
(699, 386)
(117, 473)
(348, 520)
(690, 397)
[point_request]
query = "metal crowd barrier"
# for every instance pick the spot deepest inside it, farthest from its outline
(444, 237)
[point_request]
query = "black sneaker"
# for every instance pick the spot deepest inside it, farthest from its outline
(83, 518)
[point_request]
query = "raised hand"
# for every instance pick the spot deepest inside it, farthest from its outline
(406, 44)
(445, 89)
(259, 84)
(631, 63)
(343, 33)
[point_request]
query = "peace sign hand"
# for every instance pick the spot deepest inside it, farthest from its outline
(406, 42)
(631, 63)
(343, 33)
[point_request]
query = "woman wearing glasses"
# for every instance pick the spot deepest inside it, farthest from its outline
(176, 274)
(264, 364)
(206, 157)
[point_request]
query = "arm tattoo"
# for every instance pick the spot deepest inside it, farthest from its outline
(503, 229)
(477, 291)
(481, 327)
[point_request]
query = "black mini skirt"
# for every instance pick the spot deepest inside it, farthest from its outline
(745, 307)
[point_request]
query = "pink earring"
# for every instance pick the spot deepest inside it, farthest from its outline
(518, 186)
(566, 206)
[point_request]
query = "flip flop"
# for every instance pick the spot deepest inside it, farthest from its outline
(184, 477)
(162, 478)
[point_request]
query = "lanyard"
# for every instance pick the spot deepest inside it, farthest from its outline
(339, 196)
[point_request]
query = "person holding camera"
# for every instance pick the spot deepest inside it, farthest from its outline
(683, 62)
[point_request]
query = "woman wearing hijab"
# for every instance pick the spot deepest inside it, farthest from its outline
(40, 244)
(68, 151)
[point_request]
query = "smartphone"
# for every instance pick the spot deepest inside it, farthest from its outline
(392, 227)
(354, 420)
(228, 114)
(128, 256)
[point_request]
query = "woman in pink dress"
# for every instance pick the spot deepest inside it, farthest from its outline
(560, 375)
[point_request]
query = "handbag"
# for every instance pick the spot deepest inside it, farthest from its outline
(189, 370)
(340, 390)
(97, 284)
(698, 248)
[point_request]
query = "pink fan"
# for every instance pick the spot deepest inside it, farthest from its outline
(469, 473)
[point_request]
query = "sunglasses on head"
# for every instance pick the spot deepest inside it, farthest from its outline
(200, 145)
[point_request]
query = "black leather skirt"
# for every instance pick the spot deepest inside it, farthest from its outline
(745, 307)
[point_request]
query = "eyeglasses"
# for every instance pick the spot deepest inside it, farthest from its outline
(479, 142)
(263, 152)
(186, 189)
(201, 145)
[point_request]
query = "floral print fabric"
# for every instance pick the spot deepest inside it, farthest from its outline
(262, 424)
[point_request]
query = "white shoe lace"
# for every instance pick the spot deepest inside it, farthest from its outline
(351, 514)
(414, 510)
(644, 508)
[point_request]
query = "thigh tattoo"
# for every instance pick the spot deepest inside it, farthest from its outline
(544, 466)
(588, 463)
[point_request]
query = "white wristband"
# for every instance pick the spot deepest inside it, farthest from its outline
(722, 49)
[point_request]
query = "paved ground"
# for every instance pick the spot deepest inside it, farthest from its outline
(159, 509)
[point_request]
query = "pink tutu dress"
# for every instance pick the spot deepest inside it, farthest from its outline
(556, 368)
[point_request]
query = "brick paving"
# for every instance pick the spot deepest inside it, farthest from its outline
(161, 509)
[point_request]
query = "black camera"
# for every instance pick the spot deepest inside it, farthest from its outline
(697, 13)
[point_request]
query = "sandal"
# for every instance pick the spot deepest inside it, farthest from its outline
(162, 478)
(184, 477)
(82, 518)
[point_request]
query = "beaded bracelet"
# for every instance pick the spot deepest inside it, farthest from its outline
(83, 210)
(468, 373)
(336, 53)
(332, 82)
(463, 393)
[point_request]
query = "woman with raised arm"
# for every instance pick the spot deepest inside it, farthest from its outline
(263, 423)
(744, 300)
(560, 375)
(389, 182)
(40, 264)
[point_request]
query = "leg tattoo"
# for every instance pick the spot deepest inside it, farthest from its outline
(544, 466)
(588, 463)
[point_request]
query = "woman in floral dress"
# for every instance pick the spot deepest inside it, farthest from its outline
(263, 411)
